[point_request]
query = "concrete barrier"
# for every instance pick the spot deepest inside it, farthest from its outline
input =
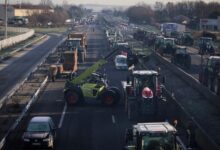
(16, 39)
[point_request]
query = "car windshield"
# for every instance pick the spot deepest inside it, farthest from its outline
(160, 141)
(38, 127)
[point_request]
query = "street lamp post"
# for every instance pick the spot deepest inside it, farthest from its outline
(6, 20)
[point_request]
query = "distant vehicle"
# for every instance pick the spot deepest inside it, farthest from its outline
(210, 74)
(167, 46)
(185, 38)
(121, 62)
(40, 132)
(19, 21)
(181, 57)
(206, 46)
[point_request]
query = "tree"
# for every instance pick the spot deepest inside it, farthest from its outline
(140, 14)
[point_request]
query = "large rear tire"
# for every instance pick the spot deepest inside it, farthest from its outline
(109, 98)
(72, 97)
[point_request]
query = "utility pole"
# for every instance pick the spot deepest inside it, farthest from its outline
(6, 19)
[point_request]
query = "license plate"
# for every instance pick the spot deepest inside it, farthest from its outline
(36, 144)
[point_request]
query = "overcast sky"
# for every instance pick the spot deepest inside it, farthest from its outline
(102, 2)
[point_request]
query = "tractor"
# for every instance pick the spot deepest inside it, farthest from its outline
(210, 74)
(142, 93)
(167, 47)
(181, 57)
(153, 136)
(185, 38)
(91, 84)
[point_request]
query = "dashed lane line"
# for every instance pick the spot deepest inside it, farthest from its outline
(62, 116)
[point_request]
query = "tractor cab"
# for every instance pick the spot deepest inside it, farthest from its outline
(142, 79)
(151, 136)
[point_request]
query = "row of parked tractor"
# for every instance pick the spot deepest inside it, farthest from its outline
(176, 48)
(143, 95)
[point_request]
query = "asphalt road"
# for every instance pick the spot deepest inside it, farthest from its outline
(16, 70)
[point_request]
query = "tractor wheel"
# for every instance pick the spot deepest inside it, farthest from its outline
(117, 92)
(109, 98)
(72, 97)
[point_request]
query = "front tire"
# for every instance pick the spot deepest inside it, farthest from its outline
(72, 97)
(109, 98)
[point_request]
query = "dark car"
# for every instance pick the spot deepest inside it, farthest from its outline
(40, 132)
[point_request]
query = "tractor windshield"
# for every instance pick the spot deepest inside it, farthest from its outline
(181, 51)
(158, 141)
(143, 81)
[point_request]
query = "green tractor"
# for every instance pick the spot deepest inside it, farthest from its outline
(153, 136)
(91, 85)
(143, 93)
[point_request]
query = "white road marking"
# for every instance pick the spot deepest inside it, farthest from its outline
(62, 116)
(59, 100)
(113, 119)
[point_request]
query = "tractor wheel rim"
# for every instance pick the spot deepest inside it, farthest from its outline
(72, 99)
(109, 100)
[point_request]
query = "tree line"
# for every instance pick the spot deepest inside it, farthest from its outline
(190, 10)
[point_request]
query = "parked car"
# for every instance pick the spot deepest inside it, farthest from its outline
(121, 62)
(40, 132)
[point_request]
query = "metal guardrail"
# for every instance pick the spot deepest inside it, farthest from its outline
(12, 91)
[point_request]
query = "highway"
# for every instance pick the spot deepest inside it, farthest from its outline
(15, 70)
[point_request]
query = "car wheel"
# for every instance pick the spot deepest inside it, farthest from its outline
(72, 97)
(109, 98)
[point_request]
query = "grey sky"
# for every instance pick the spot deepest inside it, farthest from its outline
(102, 2)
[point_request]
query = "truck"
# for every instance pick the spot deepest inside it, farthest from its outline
(79, 41)
(67, 64)
(92, 85)
(153, 136)
(210, 74)
(168, 28)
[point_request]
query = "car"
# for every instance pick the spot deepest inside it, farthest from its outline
(121, 62)
(40, 132)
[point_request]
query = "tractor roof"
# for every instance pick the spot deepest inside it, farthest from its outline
(214, 57)
(145, 72)
(155, 127)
